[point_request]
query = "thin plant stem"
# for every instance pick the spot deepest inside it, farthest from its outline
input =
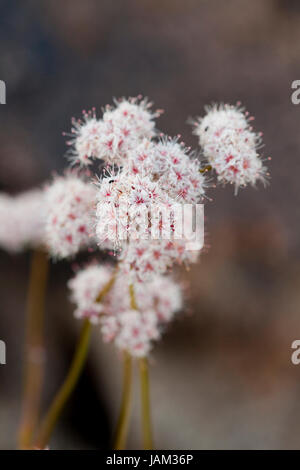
(145, 404)
(123, 421)
(34, 347)
(73, 375)
(66, 388)
(144, 381)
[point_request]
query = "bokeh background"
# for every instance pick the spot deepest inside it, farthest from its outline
(222, 376)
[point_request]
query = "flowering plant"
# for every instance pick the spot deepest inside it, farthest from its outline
(123, 197)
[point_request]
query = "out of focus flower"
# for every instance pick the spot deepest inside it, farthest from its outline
(22, 220)
(230, 145)
(69, 204)
(130, 330)
(135, 330)
(85, 288)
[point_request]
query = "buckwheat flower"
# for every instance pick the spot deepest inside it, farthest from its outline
(111, 138)
(70, 203)
(142, 260)
(169, 163)
(133, 116)
(85, 287)
(84, 139)
(124, 207)
(230, 145)
(22, 220)
(136, 330)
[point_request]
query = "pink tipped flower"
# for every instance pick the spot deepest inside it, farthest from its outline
(70, 203)
(22, 220)
(85, 138)
(123, 209)
(142, 260)
(169, 163)
(135, 330)
(85, 288)
(113, 137)
(230, 145)
(133, 117)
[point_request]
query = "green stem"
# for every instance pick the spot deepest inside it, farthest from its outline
(144, 380)
(145, 402)
(34, 349)
(123, 421)
(67, 387)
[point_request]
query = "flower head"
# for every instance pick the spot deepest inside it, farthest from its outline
(170, 164)
(85, 137)
(85, 287)
(230, 145)
(115, 135)
(125, 202)
(135, 330)
(69, 223)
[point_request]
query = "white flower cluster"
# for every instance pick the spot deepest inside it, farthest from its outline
(22, 220)
(85, 288)
(70, 205)
(169, 163)
(230, 145)
(142, 260)
(153, 176)
(131, 330)
(115, 135)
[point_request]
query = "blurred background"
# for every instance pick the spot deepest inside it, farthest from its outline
(222, 375)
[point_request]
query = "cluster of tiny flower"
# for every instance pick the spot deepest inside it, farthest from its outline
(22, 224)
(145, 177)
(70, 202)
(130, 329)
(230, 145)
(115, 135)
(153, 175)
(85, 288)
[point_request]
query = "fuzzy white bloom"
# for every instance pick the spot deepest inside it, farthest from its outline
(142, 260)
(131, 330)
(169, 163)
(230, 145)
(115, 135)
(135, 330)
(70, 203)
(85, 138)
(85, 287)
(22, 220)
(125, 205)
